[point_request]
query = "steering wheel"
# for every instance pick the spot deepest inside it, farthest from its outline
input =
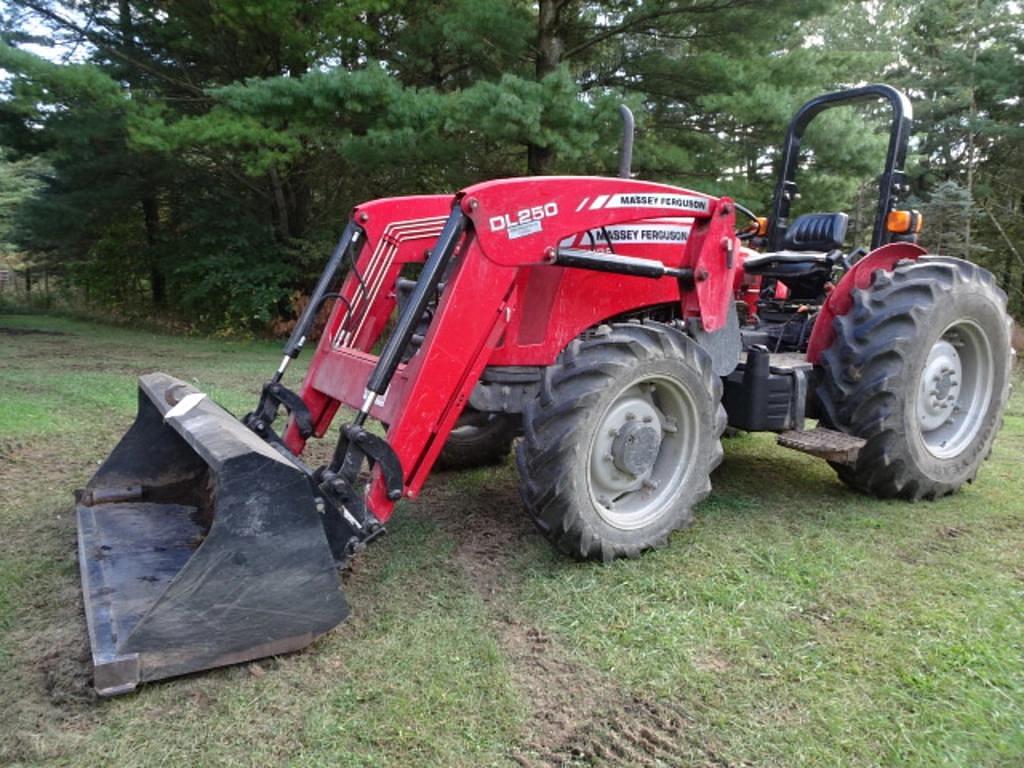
(751, 231)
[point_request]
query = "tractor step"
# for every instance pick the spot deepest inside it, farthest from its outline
(828, 444)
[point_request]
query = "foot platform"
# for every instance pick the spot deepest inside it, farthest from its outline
(828, 444)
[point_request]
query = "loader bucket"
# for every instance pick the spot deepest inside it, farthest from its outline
(200, 545)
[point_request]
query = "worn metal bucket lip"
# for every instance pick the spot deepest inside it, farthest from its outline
(262, 580)
(199, 420)
(105, 659)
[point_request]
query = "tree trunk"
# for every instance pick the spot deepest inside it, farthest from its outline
(1011, 250)
(972, 118)
(549, 54)
(157, 279)
(281, 226)
(298, 199)
(150, 207)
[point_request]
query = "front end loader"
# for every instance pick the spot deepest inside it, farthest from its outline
(617, 325)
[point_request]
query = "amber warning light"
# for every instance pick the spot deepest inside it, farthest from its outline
(904, 222)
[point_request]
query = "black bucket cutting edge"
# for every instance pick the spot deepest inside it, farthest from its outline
(200, 545)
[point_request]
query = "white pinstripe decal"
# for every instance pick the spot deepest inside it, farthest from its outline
(380, 263)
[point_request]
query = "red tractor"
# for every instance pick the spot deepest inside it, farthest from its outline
(618, 325)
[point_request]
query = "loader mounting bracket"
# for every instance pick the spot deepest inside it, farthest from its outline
(355, 526)
(360, 444)
(356, 445)
(273, 396)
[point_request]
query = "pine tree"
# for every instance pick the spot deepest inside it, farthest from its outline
(204, 152)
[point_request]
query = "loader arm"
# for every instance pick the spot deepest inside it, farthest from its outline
(509, 233)
(398, 232)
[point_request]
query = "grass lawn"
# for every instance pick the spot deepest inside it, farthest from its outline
(796, 624)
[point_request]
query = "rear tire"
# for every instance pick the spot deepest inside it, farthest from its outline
(919, 368)
(620, 443)
(478, 439)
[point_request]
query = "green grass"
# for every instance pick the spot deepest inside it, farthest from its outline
(796, 624)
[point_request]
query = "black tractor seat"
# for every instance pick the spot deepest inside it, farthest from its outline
(811, 249)
(816, 232)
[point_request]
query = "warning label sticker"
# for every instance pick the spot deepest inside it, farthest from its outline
(524, 229)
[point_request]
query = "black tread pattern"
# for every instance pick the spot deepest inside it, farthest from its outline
(485, 446)
(555, 439)
(861, 380)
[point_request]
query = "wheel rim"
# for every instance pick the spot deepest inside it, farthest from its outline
(955, 389)
(641, 451)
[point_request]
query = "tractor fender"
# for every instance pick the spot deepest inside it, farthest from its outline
(840, 301)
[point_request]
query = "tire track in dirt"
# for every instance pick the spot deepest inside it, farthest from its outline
(577, 715)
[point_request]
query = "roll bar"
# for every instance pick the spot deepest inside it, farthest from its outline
(892, 181)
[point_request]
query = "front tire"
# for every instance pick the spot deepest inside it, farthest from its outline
(920, 368)
(620, 443)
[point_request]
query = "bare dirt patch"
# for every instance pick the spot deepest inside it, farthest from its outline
(487, 521)
(65, 666)
(490, 527)
(711, 662)
(50, 645)
(634, 732)
(577, 714)
(564, 697)
(11, 449)
(952, 531)
(29, 332)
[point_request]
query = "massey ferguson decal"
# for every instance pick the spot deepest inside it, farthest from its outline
(695, 203)
(664, 232)
(524, 222)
